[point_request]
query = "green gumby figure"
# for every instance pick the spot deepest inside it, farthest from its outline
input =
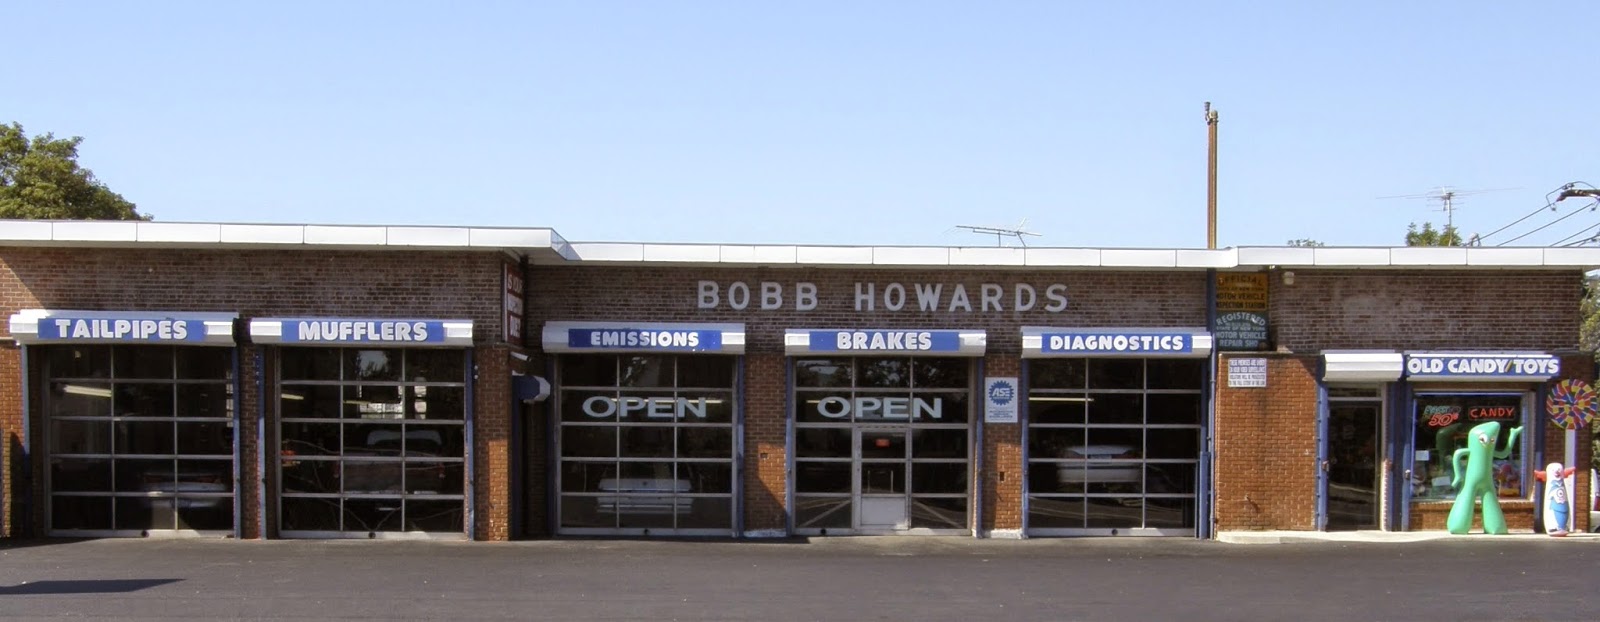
(1480, 453)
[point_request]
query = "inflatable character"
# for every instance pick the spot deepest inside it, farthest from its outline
(1556, 501)
(1478, 480)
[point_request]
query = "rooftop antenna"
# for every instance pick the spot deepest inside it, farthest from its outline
(1446, 197)
(1000, 233)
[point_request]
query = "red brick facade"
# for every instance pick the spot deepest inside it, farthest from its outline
(1265, 469)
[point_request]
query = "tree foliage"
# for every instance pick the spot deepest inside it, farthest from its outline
(1428, 236)
(1305, 242)
(40, 178)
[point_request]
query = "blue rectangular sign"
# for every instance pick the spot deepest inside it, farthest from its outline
(1461, 366)
(885, 340)
(686, 340)
(131, 329)
(362, 331)
(1091, 342)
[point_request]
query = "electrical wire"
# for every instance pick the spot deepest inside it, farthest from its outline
(1549, 203)
(1564, 241)
(1575, 212)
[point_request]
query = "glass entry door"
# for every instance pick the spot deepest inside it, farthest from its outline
(882, 474)
(1353, 466)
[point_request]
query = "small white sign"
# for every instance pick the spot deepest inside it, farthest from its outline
(1247, 373)
(1000, 397)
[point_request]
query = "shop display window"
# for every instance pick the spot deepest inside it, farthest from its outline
(1442, 426)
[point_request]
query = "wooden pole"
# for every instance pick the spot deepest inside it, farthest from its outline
(1211, 177)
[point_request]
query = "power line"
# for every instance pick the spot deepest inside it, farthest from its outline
(1548, 224)
(1550, 204)
(1564, 241)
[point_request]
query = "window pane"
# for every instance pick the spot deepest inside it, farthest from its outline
(708, 513)
(706, 442)
(944, 373)
(441, 403)
(309, 476)
(589, 441)
(1444, 424)
(437, 478)
(1118, 513)
(80, 512)
(823, 373)
(939, 477)
(588, 476)
(588, 370)
(1116, 408)
(373, 514)
(143, 400)
(373, 402)
(308, 363)
(705, 371)
(822, 476)
(205, 363)
(311, 402)
(1058, 408)
(1055, 512)
(443, 516)
(78, 361)
(1174, 443)
(885, 373)
(952, 408)
(1057, 373)
(588, 406)
(80, 474)
(1054, 442)
(822, 442)
(154, 362)
(310, 439)
(203, 400)
(1174, 409)
(80, 437)
(938, 513)
(1116, 373)
(707, 477)
(300, 514)
(822, 407)
(1177, 373)
(938, 443)
(430, 365)
(823, 513)
(144, 437)
(372, 365)
(207, 438)
(646, 370)
(646, 442)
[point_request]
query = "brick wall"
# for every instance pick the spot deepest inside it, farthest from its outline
(1266, 447)
(255, 283)
(765, 451)
(1002, 460)
(10, 436)
(1427, 309)
(491, 443)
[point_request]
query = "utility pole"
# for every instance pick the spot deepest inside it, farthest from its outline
(1211, 177)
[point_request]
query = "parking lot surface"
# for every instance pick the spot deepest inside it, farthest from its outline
(800, 579)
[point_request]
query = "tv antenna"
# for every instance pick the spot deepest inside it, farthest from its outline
(1000, 233)
(1446, 197)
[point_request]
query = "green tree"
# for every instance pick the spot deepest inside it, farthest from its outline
(1428, 236)
(40, 178)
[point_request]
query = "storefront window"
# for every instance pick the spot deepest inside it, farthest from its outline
(646, 442)
(1443, 425)
(1113, 443)
(372, 440)
(140, 438)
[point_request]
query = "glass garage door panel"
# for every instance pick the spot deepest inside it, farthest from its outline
(646, 444)
(140, 439)
(372, 442)
(1113, 445)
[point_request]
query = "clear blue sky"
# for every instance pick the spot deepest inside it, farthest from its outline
(877, 123)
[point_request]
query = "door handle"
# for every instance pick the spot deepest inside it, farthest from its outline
(1324, 466)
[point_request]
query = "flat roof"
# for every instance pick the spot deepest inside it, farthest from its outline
(544, 246)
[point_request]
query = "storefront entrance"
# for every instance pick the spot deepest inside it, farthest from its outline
(882, 445)
(1352, 466)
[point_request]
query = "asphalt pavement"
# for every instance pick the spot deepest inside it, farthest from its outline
(841, 578)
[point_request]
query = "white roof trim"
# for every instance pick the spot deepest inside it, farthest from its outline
(124, 234)
(1362, 366)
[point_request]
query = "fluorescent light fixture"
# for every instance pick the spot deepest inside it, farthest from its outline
(291, 396)
(1053, 398)
(78, 389)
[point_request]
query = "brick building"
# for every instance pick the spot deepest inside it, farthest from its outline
(368, 381)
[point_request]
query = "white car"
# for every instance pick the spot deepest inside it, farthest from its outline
(1081, 470)
(644, 495)
(163, 484)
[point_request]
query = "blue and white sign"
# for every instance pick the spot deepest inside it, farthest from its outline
(1482, 366)
(40, 326)
(362, 331)
(1000, 398)
(885, 341)
(643, 337)
(1045, 342)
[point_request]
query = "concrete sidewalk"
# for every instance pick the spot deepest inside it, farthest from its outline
(1281, 537)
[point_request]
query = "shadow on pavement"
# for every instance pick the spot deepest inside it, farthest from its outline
(85, 586)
